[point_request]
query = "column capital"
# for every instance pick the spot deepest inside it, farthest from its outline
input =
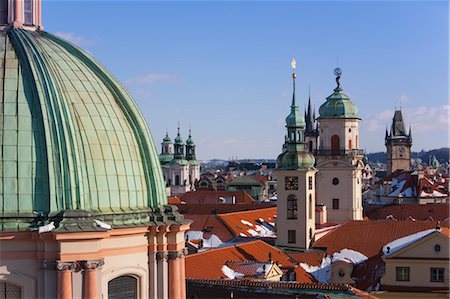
(93, 264)
(173, 255)
(162, 256)
(66, 266)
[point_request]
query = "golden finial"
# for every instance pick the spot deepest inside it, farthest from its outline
(293, 65)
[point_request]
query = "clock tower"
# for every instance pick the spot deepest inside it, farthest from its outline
(398, 145)
(296, 184)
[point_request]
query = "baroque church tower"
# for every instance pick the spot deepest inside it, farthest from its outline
(181, 169)
(339, 159)
(398, 145)
(296, 180)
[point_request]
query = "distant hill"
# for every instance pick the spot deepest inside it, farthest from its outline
(442, 154)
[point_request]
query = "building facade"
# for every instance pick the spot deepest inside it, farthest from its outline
(181, 168)
(339, 159)
(83, 210)
(296, 184)
(398, 145)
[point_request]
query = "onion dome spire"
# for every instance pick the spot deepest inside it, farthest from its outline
(338, 105)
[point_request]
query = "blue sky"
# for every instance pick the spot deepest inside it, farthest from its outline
(223, 67)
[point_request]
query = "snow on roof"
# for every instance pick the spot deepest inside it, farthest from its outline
(323, 272)
(212, 241)
(230, 273)
(400, 243)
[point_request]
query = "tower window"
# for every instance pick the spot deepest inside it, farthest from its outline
(292, 207)
(335, 203)
(310, 183)
(310, 206)
(335, 143)
(291, 236)
(349, 144)
(310, 146)
(28, 11)
(335, 181)
(177, 180)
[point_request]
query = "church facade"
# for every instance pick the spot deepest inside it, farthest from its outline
(83, 209)
(181, 169)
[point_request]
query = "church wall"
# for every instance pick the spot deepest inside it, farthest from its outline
(303, 223)
(348, 191)
(347, 129)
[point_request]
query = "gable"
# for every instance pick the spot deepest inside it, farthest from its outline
(425, 248)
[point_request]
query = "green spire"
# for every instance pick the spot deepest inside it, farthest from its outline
(294, 155)
(178, 139)
(189, 141)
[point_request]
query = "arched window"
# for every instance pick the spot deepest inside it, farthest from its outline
(10, 291)
(28, 12)
(292, 207)
(310, 146)
(3, 12)
(349, 144)
(123, 287)
(310, 206)
(177, 180)
(335, 143)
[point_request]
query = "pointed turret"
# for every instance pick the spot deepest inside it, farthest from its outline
(398, 144)
(295, 156)
(178, 156)
(190, 150)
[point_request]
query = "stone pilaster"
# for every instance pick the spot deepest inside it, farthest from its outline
(161, 260)
(64, 286)
(90, 278)
(175, 274)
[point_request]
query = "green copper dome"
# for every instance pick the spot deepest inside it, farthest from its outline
(338, 105)
(295, 160)
(72, 137)
(166, 139)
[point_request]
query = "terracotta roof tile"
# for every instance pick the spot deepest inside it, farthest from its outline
(247, 222)
(213, 197)
(210, 224)
(368, 237)
(249, 268)
(208, 264)
(286, 285)
(438, 212)
(310, 258)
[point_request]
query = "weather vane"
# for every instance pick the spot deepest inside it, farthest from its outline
(338, 73)
(293, 65)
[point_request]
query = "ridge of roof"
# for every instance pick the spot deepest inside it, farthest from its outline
(246, 212)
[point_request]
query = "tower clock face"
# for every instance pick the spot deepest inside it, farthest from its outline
(291, 183)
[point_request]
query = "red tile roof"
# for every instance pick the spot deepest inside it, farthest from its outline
(219, 208)
(249, 268)
(213, 197)
(340, 289)
(438, 212)
(208, 264)
(368, 237)
(238, 222)
(310, 258)
(214, 225)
